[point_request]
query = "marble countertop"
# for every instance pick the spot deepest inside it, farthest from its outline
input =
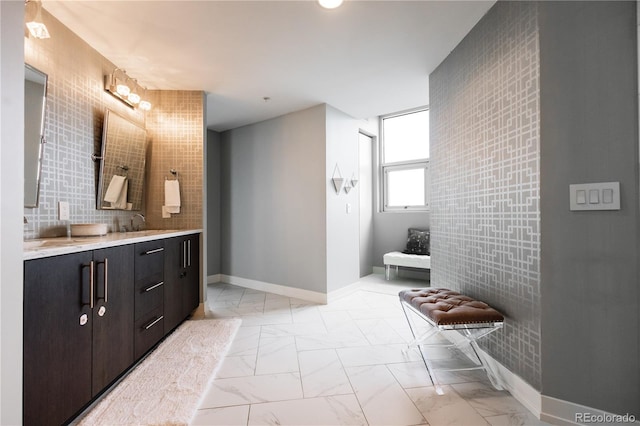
(46, 247)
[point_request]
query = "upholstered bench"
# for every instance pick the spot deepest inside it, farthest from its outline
(396, 258)
(449, 311)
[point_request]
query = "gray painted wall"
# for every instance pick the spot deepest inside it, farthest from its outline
(273, 201)
(214, 176)
(589, 133)
(343, 231)
(485, 178)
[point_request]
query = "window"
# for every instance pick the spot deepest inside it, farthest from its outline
(405, 160)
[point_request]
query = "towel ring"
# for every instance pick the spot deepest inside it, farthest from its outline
(174, 172)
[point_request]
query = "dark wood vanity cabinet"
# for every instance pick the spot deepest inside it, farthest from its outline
(182, 278)
(89, 316)
(78, 330)
(149, 295)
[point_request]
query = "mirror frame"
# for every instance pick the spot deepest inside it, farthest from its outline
(33, 202)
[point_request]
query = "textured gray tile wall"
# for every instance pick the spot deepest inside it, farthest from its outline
(76, 105)
(485, 154)
(176, 128)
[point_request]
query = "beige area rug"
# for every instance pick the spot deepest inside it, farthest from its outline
(167, 387)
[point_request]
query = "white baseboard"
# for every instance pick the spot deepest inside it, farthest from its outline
(560, 412)
(212, 279)
(282, 290)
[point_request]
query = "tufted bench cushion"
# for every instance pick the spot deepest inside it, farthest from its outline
(446, 307)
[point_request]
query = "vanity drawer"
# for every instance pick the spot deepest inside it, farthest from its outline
(149, 295)
(149, 259)
(148, 331)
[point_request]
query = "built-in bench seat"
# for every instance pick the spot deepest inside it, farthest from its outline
(449, 311)
(397, 258)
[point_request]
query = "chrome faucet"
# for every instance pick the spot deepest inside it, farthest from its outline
(133, 218)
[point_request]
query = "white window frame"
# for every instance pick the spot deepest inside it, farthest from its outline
(385, 168)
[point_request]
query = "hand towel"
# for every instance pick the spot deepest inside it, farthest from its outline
(121, 202)
(172, 196)
(114, 189)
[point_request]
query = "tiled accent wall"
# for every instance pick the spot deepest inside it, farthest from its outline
(176, 127)
(485, 154)
(76, 106)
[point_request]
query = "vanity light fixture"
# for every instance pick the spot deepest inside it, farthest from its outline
(127, 89)
(36, 26)
(330, 4)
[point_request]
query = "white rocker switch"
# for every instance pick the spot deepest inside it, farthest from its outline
(594, 196)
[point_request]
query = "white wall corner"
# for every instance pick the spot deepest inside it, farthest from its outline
(213, 279)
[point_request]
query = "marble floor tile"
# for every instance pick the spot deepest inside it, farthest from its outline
(226, 416)
(237, 366)
(281, 330)
(515, 419)
(306, 314)
(294, 362)
(252, 390)
(382, 399)
(277, 355)
(487, 400)
(322, 374)
(410, 374)
(447, 409)
(246, 342)
(330, 410)
(375, 355)
(378, 331)
(348, 337)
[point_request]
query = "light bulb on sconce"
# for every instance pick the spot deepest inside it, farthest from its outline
(134, 97)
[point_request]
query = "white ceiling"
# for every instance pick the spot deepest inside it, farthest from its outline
(366, 58)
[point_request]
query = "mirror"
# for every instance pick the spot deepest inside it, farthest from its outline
(35, 96)
(121, 180)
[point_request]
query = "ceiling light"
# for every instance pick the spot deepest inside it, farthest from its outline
(36, 26)
(330, 4)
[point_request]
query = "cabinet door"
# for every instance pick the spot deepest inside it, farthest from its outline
(191, 275)
(112, 315)
(57, 338)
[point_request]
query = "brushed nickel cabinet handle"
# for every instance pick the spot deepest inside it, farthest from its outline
(184, 254)
(105, 275)
(154, 322)
(158, 250)
(106, 280)
(91, 283)
(189, 255)
(153, 286)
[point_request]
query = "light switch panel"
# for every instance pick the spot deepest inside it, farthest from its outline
(594, 196)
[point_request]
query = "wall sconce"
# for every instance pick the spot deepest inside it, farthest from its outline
(37, 28)
(127, 89)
